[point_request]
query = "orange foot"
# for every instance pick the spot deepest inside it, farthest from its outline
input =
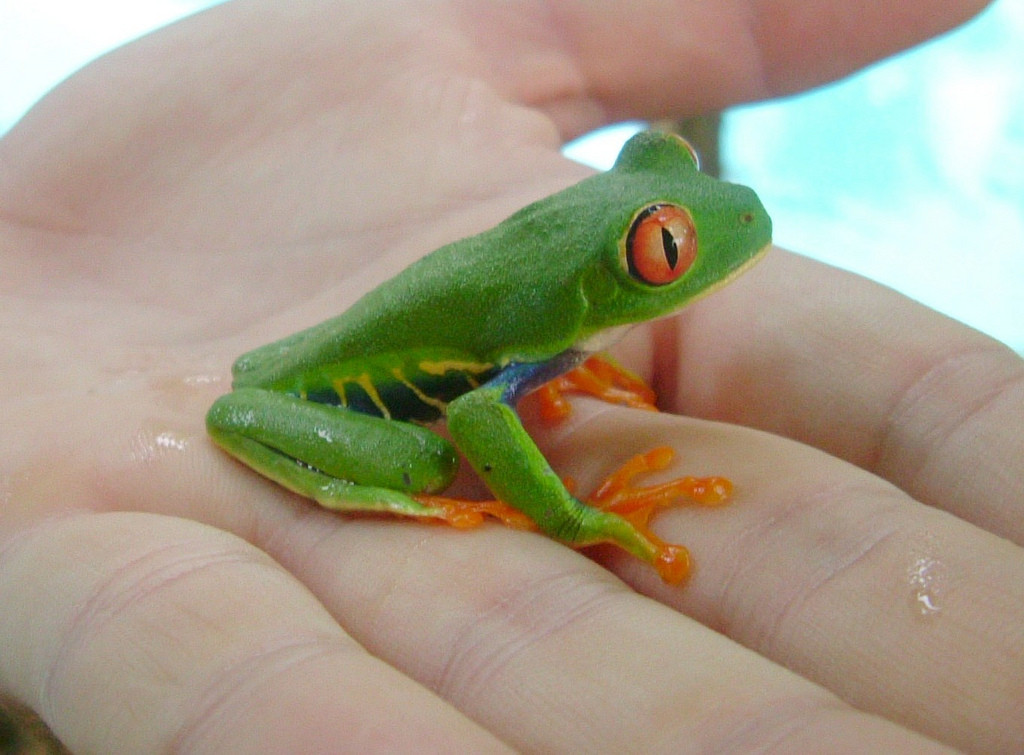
(634, 504)
(600, 377)
(464, 515)
(638, 504)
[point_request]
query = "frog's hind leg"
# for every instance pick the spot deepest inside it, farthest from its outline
(343, 460)
(330, 492)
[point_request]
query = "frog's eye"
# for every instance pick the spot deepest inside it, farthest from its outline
(661, 244)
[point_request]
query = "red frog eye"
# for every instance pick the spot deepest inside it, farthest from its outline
(661, 244)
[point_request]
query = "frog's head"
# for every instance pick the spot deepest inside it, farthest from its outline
(679, 235)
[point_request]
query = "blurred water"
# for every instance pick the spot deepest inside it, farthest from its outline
(911, 172)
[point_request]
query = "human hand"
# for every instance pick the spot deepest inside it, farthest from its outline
(256, 169)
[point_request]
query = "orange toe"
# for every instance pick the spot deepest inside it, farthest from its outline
(464, 514)
(599, 377)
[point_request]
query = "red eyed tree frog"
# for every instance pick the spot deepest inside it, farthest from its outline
(334, 413)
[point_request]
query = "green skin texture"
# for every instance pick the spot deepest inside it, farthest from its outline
(475, 325)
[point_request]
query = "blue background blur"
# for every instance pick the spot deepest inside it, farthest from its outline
(911, 172)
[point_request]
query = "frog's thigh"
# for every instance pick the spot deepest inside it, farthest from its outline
(340, 458)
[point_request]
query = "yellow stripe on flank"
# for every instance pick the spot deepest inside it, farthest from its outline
(364, 382)
(339, 388)
(437, 403)
(453, 365)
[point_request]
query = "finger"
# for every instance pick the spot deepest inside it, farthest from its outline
(823, 356)
(587, 62)
(803, 46)
(899, 608)
(139, 633)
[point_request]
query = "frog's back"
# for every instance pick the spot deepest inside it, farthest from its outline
(511, 293)
(388, 327)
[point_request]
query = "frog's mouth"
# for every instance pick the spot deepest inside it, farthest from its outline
(603, 339)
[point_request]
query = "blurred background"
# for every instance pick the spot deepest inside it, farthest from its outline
(911, 172)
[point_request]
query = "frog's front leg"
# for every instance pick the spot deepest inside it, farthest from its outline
(342, 459)
(489, 433)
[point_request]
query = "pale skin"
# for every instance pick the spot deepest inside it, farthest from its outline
(252, 171)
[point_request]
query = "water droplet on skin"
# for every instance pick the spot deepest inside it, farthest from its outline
(198, 381)
(170, 440)
(925, 575)
(147, 446)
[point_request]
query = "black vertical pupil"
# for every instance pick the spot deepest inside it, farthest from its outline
(668, 241)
